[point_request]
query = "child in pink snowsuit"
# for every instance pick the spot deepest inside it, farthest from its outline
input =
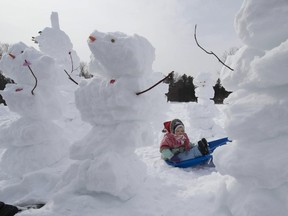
(176, 146)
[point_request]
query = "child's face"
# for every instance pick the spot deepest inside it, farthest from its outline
(179, 131)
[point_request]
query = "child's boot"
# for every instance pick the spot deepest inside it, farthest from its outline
(203, 146)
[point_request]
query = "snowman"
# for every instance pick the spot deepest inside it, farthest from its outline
(57, 44)
(257, 114)
(205, 109)
(33, 141)
(121, 120)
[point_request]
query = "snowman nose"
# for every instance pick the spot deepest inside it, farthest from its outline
(92, 38)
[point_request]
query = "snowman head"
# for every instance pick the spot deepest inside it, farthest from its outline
(12, 63)
(54, 42)
(57, 44)
(20, 59)
(35, 76)
(116, 54)
(203, 80)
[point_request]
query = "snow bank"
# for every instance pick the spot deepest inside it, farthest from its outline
(257, 114)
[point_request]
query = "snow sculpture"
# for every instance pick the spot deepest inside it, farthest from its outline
(202, 115)
(33, 141)
(57, 44)
(257, 111)
(120, 119)
(204, 90)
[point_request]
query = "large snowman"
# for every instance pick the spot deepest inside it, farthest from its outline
(121, 120)
(257, 114)
(33, 141)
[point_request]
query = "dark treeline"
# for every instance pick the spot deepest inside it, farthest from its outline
(182, 89)
(220, 92)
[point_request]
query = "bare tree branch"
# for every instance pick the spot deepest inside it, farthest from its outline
(210, 53)
(169, 75)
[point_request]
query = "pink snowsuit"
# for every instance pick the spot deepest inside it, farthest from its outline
(171, 141)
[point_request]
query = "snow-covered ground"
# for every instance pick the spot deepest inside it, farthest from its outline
(190, 190)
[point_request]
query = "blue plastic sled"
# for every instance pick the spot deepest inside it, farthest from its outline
(203, 160)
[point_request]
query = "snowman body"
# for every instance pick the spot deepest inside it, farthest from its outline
(205, 109)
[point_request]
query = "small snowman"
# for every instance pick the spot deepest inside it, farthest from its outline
(121, 120)
(32, 141)
(206, 110)
(57, 44)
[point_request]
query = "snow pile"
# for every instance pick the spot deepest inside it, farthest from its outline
(33, 141)
(120, 119)
(257, 114)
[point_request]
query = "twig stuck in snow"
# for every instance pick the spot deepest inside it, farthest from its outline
(210, 53)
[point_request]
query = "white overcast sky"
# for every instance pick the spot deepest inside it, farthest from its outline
(167, 24)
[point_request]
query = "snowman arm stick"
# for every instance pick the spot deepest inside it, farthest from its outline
(71, 59)
(72, 69)
(169, 75)
(210, 53)
(32, 91)
(70, 77)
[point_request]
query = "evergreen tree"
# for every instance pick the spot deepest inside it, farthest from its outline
(3, 80)
(220, 92)
(181, 89)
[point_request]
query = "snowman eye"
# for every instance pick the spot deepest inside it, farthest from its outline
(113, 40)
